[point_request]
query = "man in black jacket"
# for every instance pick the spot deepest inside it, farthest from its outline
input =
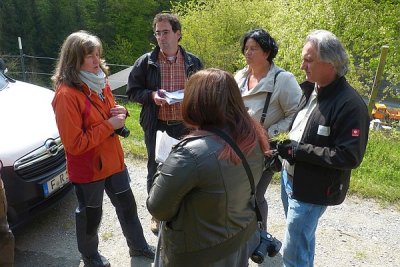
(165, 69)
(328, 138)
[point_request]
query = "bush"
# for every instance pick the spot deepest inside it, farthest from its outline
(213, 30)
(379, 173)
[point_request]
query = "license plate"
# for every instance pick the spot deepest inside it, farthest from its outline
(55, 183)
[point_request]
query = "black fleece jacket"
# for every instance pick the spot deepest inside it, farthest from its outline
(324, 161)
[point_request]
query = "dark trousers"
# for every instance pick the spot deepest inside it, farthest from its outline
(6, 236)
(89, 212)
(175, 130)
(262, 186)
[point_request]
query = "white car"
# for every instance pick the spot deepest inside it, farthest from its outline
(31, 153)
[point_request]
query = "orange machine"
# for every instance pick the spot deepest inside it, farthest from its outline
(381, 112)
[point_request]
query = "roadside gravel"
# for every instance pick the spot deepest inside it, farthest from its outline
(357, 233)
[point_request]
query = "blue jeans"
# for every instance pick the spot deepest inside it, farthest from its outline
(301, 224)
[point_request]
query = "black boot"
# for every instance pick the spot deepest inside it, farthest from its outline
(95, 260)
(148, 252)
(87, 225)
(125, 206)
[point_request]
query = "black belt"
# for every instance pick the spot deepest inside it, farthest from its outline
(171, 122)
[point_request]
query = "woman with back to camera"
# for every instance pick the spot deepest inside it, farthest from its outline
(88, 120)
(260, 77)
(202, 191)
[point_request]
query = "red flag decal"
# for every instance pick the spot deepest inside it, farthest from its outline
(355, 132)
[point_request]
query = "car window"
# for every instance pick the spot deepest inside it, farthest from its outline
(3, 81)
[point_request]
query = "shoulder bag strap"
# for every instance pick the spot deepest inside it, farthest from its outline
(246, 166)
(265, 109)
(94, 105)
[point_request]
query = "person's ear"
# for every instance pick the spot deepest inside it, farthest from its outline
(267, 54)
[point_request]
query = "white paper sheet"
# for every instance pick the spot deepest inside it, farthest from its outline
(174, 97)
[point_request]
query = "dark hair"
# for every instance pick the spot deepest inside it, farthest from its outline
(212, 99)
(171, 18)
(264, 40)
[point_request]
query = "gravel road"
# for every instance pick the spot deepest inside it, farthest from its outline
(357, 233)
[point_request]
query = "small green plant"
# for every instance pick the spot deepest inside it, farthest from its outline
(279, 138)
(106, 235)
(360, 255)
(67, 225)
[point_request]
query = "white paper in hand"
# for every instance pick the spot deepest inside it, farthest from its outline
(174, 97)
(164, 144)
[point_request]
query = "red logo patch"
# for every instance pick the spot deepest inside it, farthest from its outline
(355, 132)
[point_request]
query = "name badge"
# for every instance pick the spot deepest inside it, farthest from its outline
(324, 130)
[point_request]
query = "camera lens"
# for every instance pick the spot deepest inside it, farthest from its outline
(123, 131)
(257, 258)
(269, 245)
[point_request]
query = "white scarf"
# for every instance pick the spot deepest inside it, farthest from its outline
(95, 82)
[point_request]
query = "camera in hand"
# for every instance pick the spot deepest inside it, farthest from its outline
(268, 245)
(273, 162)
(123, 131)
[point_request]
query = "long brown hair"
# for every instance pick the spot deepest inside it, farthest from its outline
(212, 99)
(72, 55)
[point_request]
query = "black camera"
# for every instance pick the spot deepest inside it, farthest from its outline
(273, 162)
(123, 131)
(268, 245)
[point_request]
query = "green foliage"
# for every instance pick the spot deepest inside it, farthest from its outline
(124, 27)
(280, 137)
(213, 29)
(379, 174)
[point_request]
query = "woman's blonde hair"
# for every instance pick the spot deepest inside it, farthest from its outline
(72, 55)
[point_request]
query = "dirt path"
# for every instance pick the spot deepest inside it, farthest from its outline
(357, 233)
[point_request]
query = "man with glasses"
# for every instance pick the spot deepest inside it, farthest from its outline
(165, 69)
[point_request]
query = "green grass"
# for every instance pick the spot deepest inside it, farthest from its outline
(134, 144)
(378, 176)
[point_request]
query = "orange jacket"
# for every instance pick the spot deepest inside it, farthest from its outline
(92, 149)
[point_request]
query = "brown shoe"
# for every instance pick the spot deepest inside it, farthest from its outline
(155, 225)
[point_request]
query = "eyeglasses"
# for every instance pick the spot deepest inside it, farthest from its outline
(159, 34)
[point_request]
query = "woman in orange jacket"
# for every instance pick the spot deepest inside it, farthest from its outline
(89, 122)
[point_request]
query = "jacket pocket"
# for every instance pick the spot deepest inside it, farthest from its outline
(336, 191)
(173, 241)
(81, 167)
